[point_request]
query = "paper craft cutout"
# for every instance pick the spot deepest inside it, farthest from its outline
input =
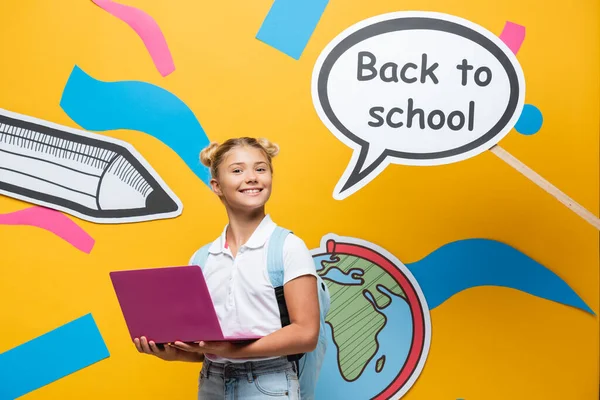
(52, 221)
(378, 311)
(530, 121)
(415, 88)
(50, 357)
(100, 106)
(513, 35)
(469, 263)
(290, 24)
(147, 29)
(90, 176)
(378, 326)
(390, 88)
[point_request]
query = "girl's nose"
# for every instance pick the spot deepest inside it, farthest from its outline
(251, 176)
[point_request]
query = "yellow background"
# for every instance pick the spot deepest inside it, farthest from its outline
(488, 343)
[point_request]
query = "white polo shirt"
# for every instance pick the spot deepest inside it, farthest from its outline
(242, 293)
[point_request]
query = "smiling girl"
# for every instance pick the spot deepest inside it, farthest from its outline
(244, 299)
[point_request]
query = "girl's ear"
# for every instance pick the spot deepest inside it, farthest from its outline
(214, 184)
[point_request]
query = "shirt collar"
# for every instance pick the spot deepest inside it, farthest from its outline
(258, 239)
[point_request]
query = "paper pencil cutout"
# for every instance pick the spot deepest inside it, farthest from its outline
(90, 176)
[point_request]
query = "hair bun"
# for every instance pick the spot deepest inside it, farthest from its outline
(207, 155)
(272, 149)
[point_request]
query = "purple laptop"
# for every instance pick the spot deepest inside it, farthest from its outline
(169, 304)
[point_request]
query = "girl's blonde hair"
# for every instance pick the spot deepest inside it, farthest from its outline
(213, 155)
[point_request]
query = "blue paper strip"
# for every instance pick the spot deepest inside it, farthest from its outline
(464, 264)
(50, 357)
(101, 106)
(290, 24)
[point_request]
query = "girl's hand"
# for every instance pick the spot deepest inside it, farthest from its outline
(168, 353)
(223, 349)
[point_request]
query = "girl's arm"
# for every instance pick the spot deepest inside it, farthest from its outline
(302, 334)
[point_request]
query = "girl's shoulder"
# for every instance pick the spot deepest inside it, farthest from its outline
(291, 242)
(294, 243)
(295, 250)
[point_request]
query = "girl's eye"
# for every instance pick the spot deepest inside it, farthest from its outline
(261, 169)
(237, 171)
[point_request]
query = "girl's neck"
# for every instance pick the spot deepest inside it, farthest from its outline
(242, 225)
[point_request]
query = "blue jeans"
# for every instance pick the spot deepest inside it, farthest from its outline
(268, 379)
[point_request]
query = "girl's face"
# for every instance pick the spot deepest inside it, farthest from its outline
(244, 179)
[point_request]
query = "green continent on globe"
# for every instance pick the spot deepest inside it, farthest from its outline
(354, 319)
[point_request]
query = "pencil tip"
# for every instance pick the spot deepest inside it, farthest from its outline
(160, 202)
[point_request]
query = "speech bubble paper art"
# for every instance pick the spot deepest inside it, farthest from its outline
(415, 88)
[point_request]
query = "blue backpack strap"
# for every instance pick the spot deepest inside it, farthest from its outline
(200, 256)
(308, 365)
(275, 256)
(275, 268)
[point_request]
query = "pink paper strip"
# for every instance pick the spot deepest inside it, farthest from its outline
(513, 35)
(52, 221)
(147, 29)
